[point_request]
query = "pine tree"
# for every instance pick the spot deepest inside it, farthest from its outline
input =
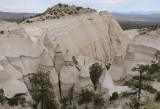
(43, 90)
(95, 72)
(140, 82)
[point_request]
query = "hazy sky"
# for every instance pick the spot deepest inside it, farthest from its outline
(37, 6)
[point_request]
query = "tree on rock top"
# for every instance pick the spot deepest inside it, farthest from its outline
(95, 72)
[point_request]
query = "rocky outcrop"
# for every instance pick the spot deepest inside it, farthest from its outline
(107, 87)
(118, 68)
(84, 81)
(46, 64)
(68, 76)
(58, 59)
(27, 48)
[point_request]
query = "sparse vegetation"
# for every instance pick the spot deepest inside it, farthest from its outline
(157, 98)
(43, 90)
(139, 83)
(85, 96)
(108, 66)
(11, 101)
(95, 72)
(98, 100)
(2, 32)
(114, 96)
(59, 11)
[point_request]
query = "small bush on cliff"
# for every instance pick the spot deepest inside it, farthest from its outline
(64, 102)
(2, 97)
(157, 98)
(98, 100)
(95, 72)
(85, 96)
(11, 101)
(2, 32)
(43, 90)
(75, 60)
(114, 96)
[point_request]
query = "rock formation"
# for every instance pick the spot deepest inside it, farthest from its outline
(39, 45)
(84, 81)
(118, 68)
(68, 76)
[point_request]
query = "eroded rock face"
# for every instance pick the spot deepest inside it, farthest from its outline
(95, 36)
(27, 48)
(68, 76)
(106, 85)
(118, 68)
(84, 81)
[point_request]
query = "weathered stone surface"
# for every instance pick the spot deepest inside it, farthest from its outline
(68, 77)
(118, 68)
(106, 85)
(84, 81)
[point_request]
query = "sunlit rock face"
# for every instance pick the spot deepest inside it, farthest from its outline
(27, 48)
(68, 76)
(93, 36)
(118, 68)
(83, 81)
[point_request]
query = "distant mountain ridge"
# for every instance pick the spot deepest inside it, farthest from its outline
(154, 17)
(13, 16)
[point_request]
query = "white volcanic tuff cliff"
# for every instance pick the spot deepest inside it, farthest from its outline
(93, 36)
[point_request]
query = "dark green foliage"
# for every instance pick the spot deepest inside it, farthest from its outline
(16, 100)
(2, 97)
(11, 101)
(157, 98)
(64, 102)
(28, 21)
(2, 32)
(85, 96)
(114, 96)
(157, 54)
(140, 82)
(95, 72)
(43, 90)
(60, 5)
(126, 25)
(108, 66)
(78, 8)
(98, 100)
(55, 13)
(75, 60)
(70, 12)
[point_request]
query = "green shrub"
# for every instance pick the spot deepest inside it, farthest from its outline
(43, 90)
(114, 96)
(16, 100)
(157, 98)
(2, 32)
(70, 12)
(2, 97)
(55, 13)
(75, 60)
(95, 72)
(64, 102)
(108, 66)
(85, 96)
(98, 100)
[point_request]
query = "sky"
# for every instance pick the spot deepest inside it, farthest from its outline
(39, 6)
